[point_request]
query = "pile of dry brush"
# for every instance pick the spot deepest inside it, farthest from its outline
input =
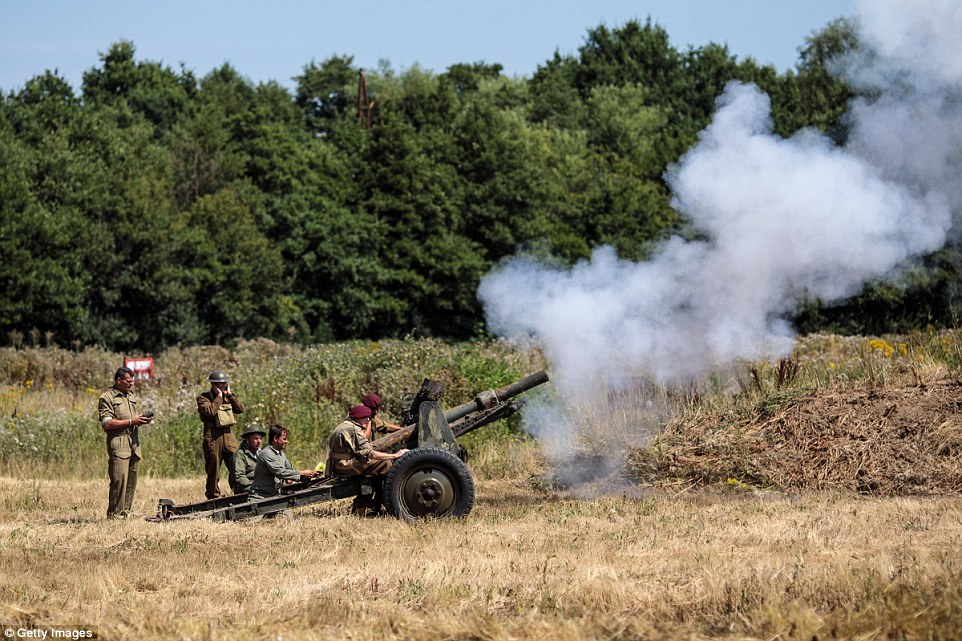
(895, 441)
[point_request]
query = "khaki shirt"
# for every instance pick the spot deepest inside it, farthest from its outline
(113, 404)
(214, 413)
(379, 426)
(349, 444)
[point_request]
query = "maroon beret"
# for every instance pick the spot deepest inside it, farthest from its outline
(358, 412)
(373, 401)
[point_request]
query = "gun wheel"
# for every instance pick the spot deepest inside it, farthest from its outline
(428, 482)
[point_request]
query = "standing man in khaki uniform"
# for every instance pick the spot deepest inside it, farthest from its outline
(120, 418)
(217, 408)
(350, 453)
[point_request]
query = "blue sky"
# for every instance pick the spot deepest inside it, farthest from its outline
(274, 40)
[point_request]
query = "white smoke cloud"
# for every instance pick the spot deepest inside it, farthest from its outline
(913, 131)
(783, 218)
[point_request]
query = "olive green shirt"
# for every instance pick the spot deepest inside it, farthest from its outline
(113, 404)
(272, 466)
(243, 464)
(379, 426)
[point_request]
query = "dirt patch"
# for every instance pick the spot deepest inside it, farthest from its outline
(895, 441)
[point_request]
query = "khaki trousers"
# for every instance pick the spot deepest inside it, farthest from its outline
(371, 468)
(219, 446)
(123, 483)
(375, 469)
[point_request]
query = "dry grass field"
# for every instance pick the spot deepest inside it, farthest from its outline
(815, 498)
(670, 563)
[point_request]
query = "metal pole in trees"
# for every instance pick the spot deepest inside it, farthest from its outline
(364, 106)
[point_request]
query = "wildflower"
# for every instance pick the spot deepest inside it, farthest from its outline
(736, 484)
(882, 346)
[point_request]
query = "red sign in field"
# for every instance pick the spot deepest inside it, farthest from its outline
(143, 367)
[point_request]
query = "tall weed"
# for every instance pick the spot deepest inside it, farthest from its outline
(50, 396)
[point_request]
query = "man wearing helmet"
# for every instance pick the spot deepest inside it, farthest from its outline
(217, 408)
(245, 459)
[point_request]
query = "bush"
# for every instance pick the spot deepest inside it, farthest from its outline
(53, 425)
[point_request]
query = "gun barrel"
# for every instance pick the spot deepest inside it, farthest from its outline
(487, 399)
(482, 401)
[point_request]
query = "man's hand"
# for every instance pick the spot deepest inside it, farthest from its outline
(400, 453)
(308, 474)
(141, 420)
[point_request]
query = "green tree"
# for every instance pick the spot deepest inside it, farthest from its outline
(823, 95)
(148, 88)
(115, 205)
(629, 207)
(42, 273)
(415, 196)
(326, 92)
(555, 98)
(238, 271)
(62, 183)
(465, 78)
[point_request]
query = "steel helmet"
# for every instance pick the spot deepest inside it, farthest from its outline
(253, 429)
(217, 376)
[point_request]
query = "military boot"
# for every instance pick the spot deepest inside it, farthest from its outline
(364, 505)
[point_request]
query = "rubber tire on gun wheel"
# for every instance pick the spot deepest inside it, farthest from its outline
(428, 482)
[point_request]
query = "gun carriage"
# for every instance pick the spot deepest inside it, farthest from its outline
(431, 480)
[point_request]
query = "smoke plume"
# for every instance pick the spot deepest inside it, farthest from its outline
(783, 219)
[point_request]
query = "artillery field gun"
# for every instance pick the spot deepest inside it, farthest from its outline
(431, 480)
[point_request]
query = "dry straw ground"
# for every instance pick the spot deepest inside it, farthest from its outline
(812, 500)
(527, 564)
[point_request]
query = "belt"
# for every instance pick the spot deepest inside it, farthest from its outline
(342, 457)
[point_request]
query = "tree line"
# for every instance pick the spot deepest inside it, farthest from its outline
(154, 208)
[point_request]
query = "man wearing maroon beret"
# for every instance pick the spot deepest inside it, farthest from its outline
(350, 454)
(379, 427)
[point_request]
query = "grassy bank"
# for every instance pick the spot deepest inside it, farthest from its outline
(707, 431)
(49, 396)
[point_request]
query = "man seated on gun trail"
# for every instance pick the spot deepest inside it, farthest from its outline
(273, 468)
(245, 459)
(350, 454)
